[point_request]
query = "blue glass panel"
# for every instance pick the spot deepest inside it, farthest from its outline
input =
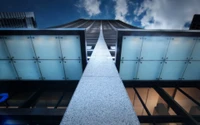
(193, 71)
(47, 47)
(131, 47)
(3, 53)
(27, 69)
(73, 69)
(52, 69)
(172, 70)
(20, 47)
(70, 46)
(3, 97)
(180, 48)
(149, 70)
(7, 70)
(196, 51)
(128, 70)
(154, 48)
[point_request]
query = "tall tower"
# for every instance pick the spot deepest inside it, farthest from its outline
(99, 72)
(109, 28)
(17, 20)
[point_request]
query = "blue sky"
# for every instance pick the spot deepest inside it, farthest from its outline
(149, 14)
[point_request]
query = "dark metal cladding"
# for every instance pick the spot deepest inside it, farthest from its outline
(17, 20)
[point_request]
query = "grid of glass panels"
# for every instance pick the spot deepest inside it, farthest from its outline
(40, 57)
(160, 58)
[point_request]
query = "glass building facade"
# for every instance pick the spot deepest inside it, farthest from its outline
(40, 70)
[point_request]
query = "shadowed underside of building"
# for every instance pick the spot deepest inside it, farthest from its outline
(17, 20)
(100, 72)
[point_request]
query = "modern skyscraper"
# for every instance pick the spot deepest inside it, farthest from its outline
(17, 20)
(117, 74)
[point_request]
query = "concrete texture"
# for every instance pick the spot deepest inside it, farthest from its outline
(100, 97)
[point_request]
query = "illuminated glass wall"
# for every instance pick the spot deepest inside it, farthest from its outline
(160, 58)
(40, 57)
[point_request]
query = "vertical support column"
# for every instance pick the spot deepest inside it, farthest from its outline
(100, 97)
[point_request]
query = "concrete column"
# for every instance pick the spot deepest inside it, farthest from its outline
(100, 97)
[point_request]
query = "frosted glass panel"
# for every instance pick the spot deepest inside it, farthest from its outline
(128, 70)
(3, 53)
(73, 69)
(180, 48)
(20, 47)
(27, 69)
(52, 70)
(6, 70)
(71, 47)
(131, 47)
(172, 70)
(149, 70)
(196, 51)
(47, 47)
(193, 71)
(154, 48)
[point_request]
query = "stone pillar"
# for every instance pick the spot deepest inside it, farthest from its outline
(100, 97)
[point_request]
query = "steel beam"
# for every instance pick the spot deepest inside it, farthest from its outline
(57, 114)
(47, 115)
(165, 119)
(175, 106)
(61, 98)
(187, 95)
(31, 86)
(173, 96)
(161, 83)
(32, 99)
(143, 104)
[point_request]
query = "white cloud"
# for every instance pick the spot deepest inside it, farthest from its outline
(92, 7)
(121, 10)
(167, 14)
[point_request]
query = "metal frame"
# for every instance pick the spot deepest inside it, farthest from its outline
(70, 85)
(38, 114)
(169, 33)
(72, 31)
(165, 119)
(31, 86)
(139, 32)
(181, 116)
(54, 116)
(188, 96)
(175, 106)
(31, 101)
(166, 83)
(143, 104)
(59, 101)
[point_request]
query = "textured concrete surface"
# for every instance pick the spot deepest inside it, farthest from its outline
(100, 97)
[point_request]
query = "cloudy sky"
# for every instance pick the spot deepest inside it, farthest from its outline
(148, 14)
